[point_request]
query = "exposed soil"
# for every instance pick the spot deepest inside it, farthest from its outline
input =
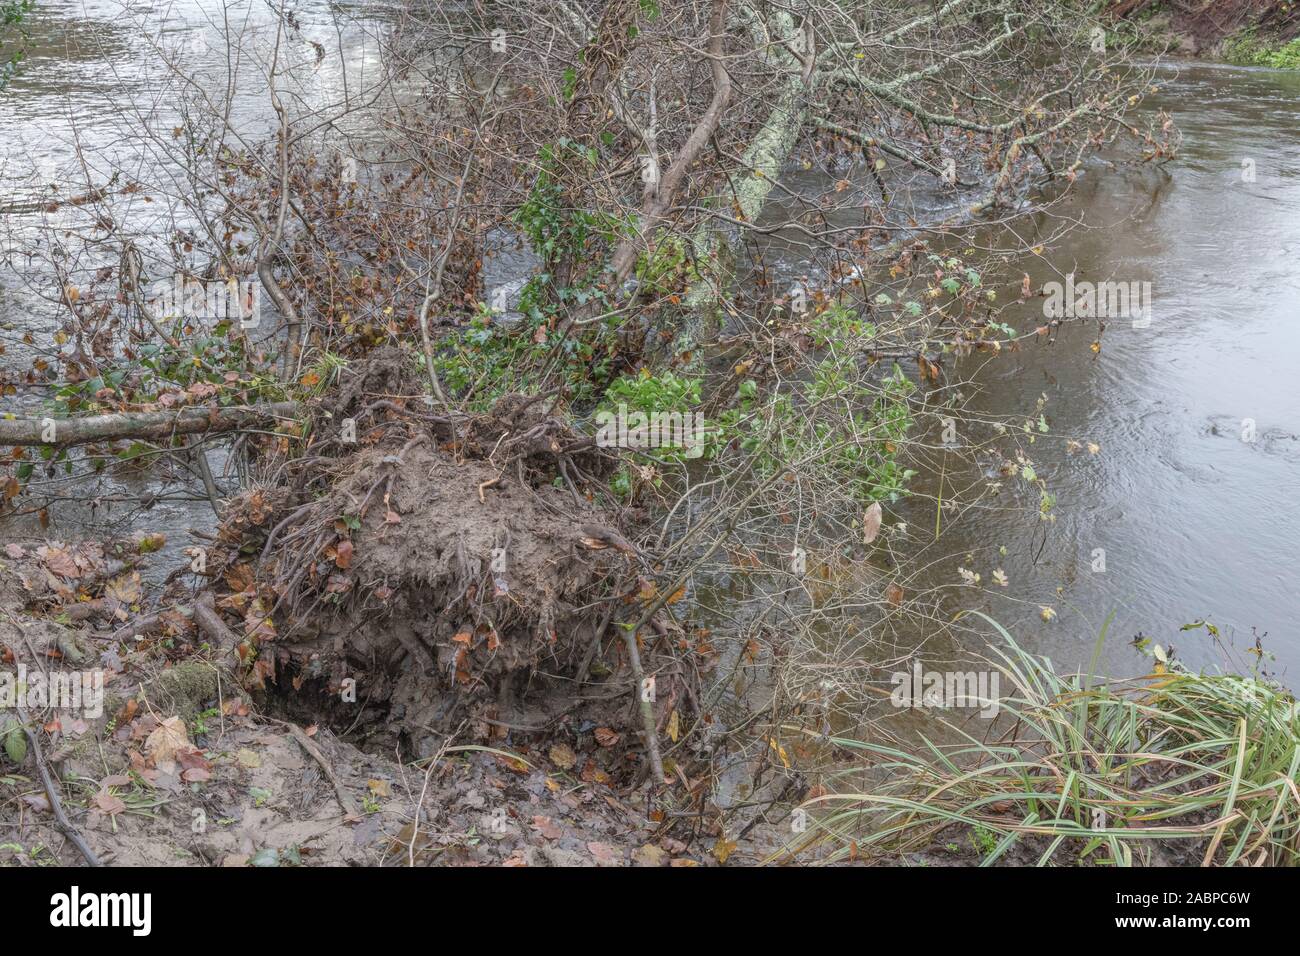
(430, 578)
(180, 768)
(1200, 26)
(408, 651)
(431, 634)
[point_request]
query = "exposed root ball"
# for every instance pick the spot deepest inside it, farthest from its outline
(445, 589)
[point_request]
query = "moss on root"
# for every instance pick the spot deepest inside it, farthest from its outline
(186, 688)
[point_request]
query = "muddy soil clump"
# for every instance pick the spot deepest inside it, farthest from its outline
(443, 574)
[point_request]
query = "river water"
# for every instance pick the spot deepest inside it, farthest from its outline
(1191, 501)
(1194, 520)
(101, 99)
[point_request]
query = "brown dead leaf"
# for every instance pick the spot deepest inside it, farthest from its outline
(674, 726)
(871, 523)
(109, 803)
(59, 561)
(604, 854)
(239, 578)
(547, 827)
(562, 756)
(723, 848)
(124, 588)
(512, 763)
(38, 802)
(649, 855)
(162, 744)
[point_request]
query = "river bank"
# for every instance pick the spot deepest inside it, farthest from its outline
(500, 638)
(1239, 32)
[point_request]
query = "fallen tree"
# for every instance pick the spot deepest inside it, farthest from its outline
(440, 556)
(144, 426)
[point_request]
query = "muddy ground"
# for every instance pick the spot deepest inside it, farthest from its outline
(183, 768)
(406, 643)
(1199, 29)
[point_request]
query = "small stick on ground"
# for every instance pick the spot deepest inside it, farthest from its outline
(484, 486)
(138, 627)
(344, 798)
(647, 711)
(51, 791)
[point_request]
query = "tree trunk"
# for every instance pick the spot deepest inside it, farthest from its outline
(145, 426)
(762, 163)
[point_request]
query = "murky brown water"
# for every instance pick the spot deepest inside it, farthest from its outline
(1194, 521)
(97, 97)
(1193, 497)
(1189, 509)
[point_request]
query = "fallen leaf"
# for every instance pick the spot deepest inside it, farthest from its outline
(871, 523)
(649, 855)
(162, 744)
(190, 757)
(59, 561)
(547, 827)
(513, 764)
(109, 803)
(604, 854)
(674, 726)
(562, 756)
(124, 588)
(723, 849)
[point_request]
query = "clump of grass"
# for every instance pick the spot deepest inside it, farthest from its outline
(1091, 773)
(1248, 48)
